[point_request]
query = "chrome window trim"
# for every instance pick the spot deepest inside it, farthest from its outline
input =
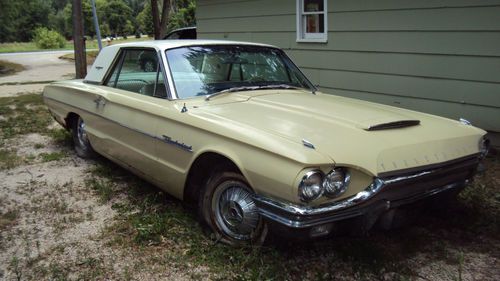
(118, 62)
(168, 75)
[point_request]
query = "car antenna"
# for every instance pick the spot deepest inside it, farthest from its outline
(184, 108)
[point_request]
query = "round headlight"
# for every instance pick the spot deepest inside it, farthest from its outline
(484, 147)
(311, 186)
(336, 182)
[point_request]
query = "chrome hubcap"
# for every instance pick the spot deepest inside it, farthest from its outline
(81, 133)
(235, 211)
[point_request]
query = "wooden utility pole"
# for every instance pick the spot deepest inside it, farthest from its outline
(156, 19)
(78, 40)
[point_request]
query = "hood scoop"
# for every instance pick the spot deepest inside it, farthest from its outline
(392, 125)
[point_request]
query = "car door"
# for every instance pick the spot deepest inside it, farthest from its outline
(128, 106)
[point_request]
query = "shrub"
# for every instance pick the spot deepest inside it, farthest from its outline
(48, 39)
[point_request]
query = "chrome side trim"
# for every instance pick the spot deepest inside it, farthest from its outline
(163, 139)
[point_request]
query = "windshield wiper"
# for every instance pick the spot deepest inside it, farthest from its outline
(278, 86)
(250, 88)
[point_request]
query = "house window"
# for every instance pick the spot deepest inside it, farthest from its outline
(312, 23)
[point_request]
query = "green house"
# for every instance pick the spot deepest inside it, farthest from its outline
(435, 56)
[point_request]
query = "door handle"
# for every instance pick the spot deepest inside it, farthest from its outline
(100, 100)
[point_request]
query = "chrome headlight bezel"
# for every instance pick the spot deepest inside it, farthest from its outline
(336, 182)
(311, 186)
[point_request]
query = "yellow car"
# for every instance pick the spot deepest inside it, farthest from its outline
(236, 129)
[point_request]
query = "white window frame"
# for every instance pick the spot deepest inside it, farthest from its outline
(303, 36)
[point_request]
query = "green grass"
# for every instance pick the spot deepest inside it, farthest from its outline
(9, 68)
(22, 115)
(102, 187)
(31, 46)
(149, 222)
(154, 220)
(61, 137)
(53, 156)
(9, 159)
(482, 198)
(38, 145)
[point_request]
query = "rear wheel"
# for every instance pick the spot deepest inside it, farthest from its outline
(80, 139)
(228, 207)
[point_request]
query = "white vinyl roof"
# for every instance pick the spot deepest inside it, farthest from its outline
(108, 54)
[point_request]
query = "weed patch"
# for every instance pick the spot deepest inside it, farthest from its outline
(53, 156)
(9, 159)
(22, 115)
(91, 56)
(103, 188)
(61, 137)
(482, 198)
(9, 68)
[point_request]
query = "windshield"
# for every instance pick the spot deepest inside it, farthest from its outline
(205, 70)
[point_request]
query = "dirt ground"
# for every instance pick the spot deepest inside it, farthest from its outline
(58, 222)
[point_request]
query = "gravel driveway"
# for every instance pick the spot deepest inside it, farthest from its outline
(40, 67)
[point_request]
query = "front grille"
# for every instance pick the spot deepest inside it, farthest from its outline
(408, 184)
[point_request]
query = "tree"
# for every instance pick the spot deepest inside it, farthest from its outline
(116, 15)
(9, 14)
(145, 20)
(183, 16)
(160, 20)
(19, 19)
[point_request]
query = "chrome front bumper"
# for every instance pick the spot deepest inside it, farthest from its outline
(383, 194)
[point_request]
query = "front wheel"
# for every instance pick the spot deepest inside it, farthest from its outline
(228, 207)
(80, 139)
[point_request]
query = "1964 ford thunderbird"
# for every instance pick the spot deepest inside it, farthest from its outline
(237, 130)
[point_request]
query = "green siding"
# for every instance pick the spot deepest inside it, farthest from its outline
(441, 57)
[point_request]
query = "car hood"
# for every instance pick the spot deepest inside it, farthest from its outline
(372, 137)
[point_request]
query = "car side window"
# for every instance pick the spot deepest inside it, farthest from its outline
(138, 71)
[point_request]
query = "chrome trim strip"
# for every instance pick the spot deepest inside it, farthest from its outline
(403, 178)
(162, 139)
